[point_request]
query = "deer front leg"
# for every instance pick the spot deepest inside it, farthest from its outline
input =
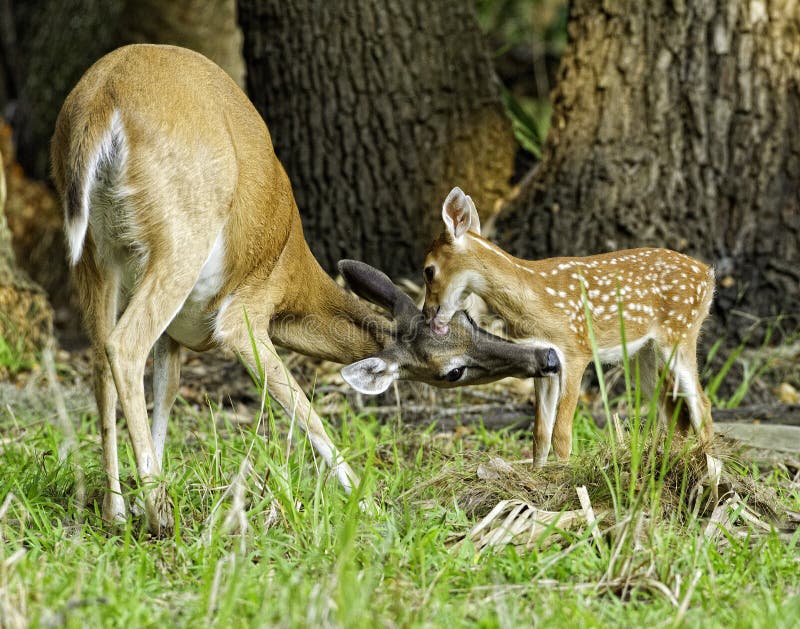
(682, 363)
(166, 378)
(565, 414)
(547, 394)
(697, 400)
(283, 388)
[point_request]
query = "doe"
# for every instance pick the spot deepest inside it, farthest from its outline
(183, 230)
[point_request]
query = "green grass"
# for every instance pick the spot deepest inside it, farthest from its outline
(15, 355)
(263, 539)
(328, 562)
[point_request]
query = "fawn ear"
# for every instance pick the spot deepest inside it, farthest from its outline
(459, 214)
(372, 375)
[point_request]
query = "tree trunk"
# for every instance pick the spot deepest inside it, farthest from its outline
(26, 321)
(210, 28)
(676, 123)
(377, 108)
(57, 41)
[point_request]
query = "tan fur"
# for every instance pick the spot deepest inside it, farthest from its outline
(221, 166)
(665, 297)
(157, 152)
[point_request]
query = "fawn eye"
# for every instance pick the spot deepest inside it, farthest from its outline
(429, 271)
(455, 374)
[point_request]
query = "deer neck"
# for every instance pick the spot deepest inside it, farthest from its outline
(507, 284)
(317, 317)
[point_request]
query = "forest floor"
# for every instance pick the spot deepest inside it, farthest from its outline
(463, 531)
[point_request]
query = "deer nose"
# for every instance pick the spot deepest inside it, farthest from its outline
(552, 364)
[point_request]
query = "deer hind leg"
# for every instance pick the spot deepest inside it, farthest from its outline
(98, 292)
(683, 366)
(565, 414)
(282, 387)
(657, 391)
(166, 378)
(157, 298)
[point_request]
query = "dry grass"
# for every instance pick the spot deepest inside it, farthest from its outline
(479, 485)
(609, 487)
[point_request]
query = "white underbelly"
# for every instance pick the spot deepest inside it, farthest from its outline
(611, 355)
(194, 323)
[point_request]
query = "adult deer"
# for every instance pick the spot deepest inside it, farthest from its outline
(662, 298)
(179, 216)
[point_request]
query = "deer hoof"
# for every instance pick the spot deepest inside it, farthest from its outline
(159, 507)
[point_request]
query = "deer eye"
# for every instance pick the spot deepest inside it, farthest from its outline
(429, 271)
(455, 374)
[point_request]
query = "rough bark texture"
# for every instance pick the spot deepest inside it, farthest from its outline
(676, 123)
(26, 321)
(377, 108)
(55, 41)
(33, 216)
(209, 28)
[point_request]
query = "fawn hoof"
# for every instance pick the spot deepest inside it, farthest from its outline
(159, 510)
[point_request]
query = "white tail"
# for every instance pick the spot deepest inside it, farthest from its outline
(661, 296)
(106, 158)
(183, 231)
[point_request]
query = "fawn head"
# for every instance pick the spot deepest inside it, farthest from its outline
(450, 271)
(465, 354)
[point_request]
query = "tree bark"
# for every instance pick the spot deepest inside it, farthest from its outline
(57, 41)
(26, 320)
(377, 108)
(676, 123)
(210, 28)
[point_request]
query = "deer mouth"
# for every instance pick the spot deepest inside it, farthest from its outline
(434, 320)
(438, 328)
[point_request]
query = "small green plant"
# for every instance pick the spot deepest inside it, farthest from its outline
(530, 120)
(15, 355)
(751, 369)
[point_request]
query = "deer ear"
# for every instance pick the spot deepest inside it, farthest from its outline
(459, 214)
(371, 376)
(375, 286)
(474, 219)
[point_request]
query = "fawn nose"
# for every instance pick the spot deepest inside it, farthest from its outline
(429, 312)
(552, 364)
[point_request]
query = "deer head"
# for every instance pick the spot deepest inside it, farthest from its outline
(452, 268)
(465, 354)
